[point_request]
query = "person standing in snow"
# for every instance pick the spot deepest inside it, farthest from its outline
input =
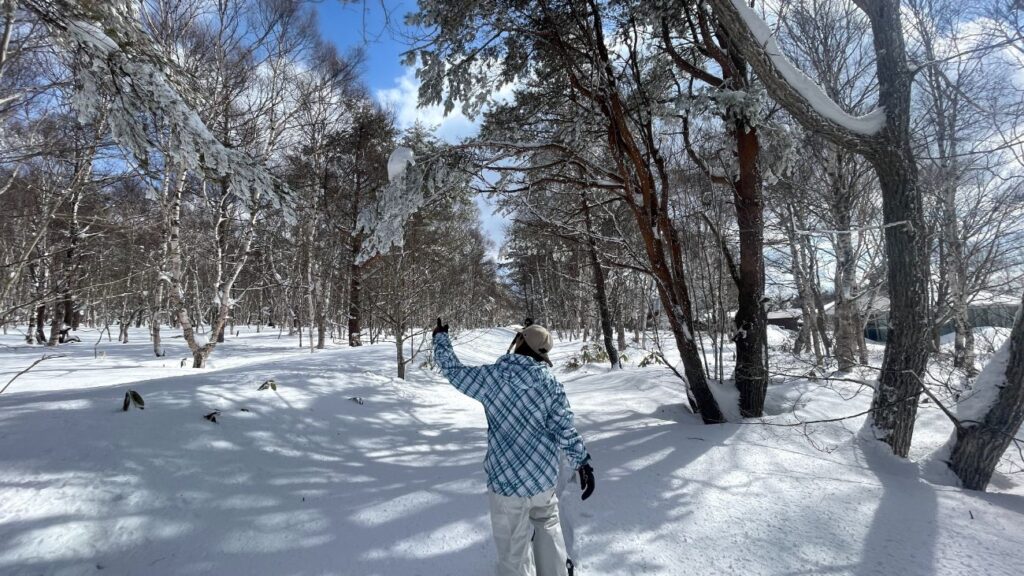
(528, 422)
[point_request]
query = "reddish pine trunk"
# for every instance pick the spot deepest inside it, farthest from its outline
(751, 374)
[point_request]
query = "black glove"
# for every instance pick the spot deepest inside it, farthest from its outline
(586, 478)
(439, 328)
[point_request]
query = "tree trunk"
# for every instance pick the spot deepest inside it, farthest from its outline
(40, 322)
(751, 372)
(814, 285)
(311, 281)
(807, 338)
(848, 321)
(963, 347)
(862, 345)
(644, 312)
(399, 353)
(154, 326)
(599, 288)
(162, 277)
(894, 405)
(675, 299)
(56, 318)
(980, 444)
(176, 299)
(222, 229)
(354, 305)
(200, 356)
(71, 262)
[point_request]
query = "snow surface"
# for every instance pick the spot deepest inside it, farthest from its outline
(306, 481)
(868, 125)
(778, 336)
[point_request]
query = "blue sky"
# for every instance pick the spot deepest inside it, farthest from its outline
(376, 26)
(349, 25)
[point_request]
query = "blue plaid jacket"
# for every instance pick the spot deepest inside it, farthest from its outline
(528, 419)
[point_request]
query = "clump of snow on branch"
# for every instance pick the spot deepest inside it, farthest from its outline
(399, 161)
(868, 125)
(133, 87)
(384, 221)
(413, 184)
(747, 106)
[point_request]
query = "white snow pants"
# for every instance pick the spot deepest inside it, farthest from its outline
(567, 508)
(526, 529)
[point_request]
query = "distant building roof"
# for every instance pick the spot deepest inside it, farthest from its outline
(783, 314)
(986, 298)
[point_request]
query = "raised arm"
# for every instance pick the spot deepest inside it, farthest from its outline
(470, 380)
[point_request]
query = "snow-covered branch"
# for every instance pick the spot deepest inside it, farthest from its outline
(120, 74)
(384, 221)
(798, 93)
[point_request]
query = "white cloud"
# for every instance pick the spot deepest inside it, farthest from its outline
(404, 99)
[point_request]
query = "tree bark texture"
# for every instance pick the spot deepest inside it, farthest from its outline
(751, 373)
(847, 308)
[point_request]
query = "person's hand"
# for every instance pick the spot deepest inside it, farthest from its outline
(586, 472)
(439, 328)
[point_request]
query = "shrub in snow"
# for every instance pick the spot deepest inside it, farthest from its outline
(593, 353)
(650, 359)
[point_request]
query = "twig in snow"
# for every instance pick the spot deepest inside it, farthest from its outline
(95, 348)
(31, 366)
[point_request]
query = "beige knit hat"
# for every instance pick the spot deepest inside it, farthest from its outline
(539, 340)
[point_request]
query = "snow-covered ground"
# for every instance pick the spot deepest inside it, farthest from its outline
(305, 480)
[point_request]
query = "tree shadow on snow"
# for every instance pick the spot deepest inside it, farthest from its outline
(644, 466)
(901, 538)
(304, 481)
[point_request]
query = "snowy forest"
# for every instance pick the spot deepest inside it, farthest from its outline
(778, 245)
